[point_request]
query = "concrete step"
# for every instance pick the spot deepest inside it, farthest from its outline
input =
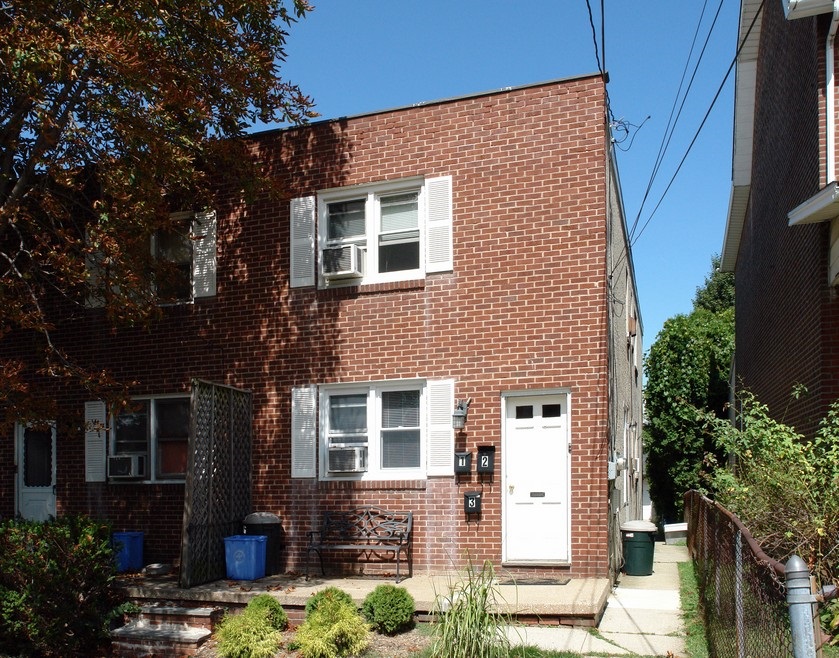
(164, 631)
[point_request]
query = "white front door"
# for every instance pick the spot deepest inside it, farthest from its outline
(36, 472)
(536, 474)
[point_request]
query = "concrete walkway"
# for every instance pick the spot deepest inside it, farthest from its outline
(643, 616)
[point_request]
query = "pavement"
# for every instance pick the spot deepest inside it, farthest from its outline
(643, 616)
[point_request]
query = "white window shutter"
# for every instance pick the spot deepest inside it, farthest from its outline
(95, 441)
(440, 432)
(204, 229)
(439, 253)
(303, 242)
(304, 432)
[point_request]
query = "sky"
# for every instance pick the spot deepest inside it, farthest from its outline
(359, 56)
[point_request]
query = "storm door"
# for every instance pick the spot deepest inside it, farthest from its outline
(36, 472)
(218, 479)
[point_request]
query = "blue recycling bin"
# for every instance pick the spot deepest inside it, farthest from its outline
(128, 547)
(245, 556)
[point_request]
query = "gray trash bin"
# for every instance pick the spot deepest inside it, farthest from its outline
(268, 524)
(638, 547)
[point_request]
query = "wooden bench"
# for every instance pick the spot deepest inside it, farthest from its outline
(363, 529)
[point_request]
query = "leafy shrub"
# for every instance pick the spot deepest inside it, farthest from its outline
(333, 629)
(328, 594)
(469, 624)
(57, 593)
(248, 634)
(783, 487)
(389, 609)
(277, 617)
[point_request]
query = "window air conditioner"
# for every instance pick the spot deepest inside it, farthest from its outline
(347, 460)
(342, 262)
(127, 466)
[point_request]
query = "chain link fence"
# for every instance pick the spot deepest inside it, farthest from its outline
(741, 589)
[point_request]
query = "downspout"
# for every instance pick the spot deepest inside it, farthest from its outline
(830, 128)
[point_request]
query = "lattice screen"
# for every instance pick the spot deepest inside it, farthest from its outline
(218, 481)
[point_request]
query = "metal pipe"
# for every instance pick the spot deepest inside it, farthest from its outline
(800, 601)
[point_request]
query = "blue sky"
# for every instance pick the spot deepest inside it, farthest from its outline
(361, 56)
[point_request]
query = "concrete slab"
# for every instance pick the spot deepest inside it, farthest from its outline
(646, 644)
(654, 622)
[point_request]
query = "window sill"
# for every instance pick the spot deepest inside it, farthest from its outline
(375, 485)
(345, 292)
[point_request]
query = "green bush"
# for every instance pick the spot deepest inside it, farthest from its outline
(389, 609)
(277, 617)
(57, 594)
(333, 629)
(248, 634)
(328, 594)
(469, 623)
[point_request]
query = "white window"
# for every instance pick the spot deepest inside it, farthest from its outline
(373, 431)
(392, 231)
(185, 258)
(150, 432)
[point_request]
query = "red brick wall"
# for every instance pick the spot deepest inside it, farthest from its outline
(785, 312)
(524, 308)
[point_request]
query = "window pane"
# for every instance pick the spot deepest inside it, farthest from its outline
(551, 410)
(524, 412)
(345, 220)
(400, 448)
(173, 275)
(400, 409)
(37, 458)
(348, 413)
(132, 430)
(399, 257)
(172, 418)
(400, 212)
(172, 458)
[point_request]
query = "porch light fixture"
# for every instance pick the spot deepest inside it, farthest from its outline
(461, 410)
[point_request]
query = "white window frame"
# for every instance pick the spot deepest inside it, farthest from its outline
(372, 195)
(151, 439)
(374, 392)
(200, 236)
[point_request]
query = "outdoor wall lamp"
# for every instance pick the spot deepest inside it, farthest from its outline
(461, 410)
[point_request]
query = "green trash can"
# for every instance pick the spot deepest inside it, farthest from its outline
(638, 547)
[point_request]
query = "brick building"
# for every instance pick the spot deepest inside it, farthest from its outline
(465, 249)
(782, 225)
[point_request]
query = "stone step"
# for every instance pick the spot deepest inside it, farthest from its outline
(174, 615)
(164, 631)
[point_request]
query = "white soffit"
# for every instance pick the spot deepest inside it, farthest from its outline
(820, 207)
(744, 103)
(802, 8)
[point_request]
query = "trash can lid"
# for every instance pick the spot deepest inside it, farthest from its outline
(639, 526)
(262, 517)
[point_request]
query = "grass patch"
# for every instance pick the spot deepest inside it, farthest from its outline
(696, 643)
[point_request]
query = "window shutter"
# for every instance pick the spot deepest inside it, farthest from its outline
(439, 251)
(95, 441)
(440, 432)
(204, 255)
(304, 432)
(303, 242)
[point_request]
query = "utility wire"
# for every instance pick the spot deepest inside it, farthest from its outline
(670, 128)
(696, 135)
(701, 125)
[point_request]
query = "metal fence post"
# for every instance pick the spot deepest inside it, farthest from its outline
(800, 601)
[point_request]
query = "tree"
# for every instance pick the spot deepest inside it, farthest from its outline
(687, 373)
(113, 116)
